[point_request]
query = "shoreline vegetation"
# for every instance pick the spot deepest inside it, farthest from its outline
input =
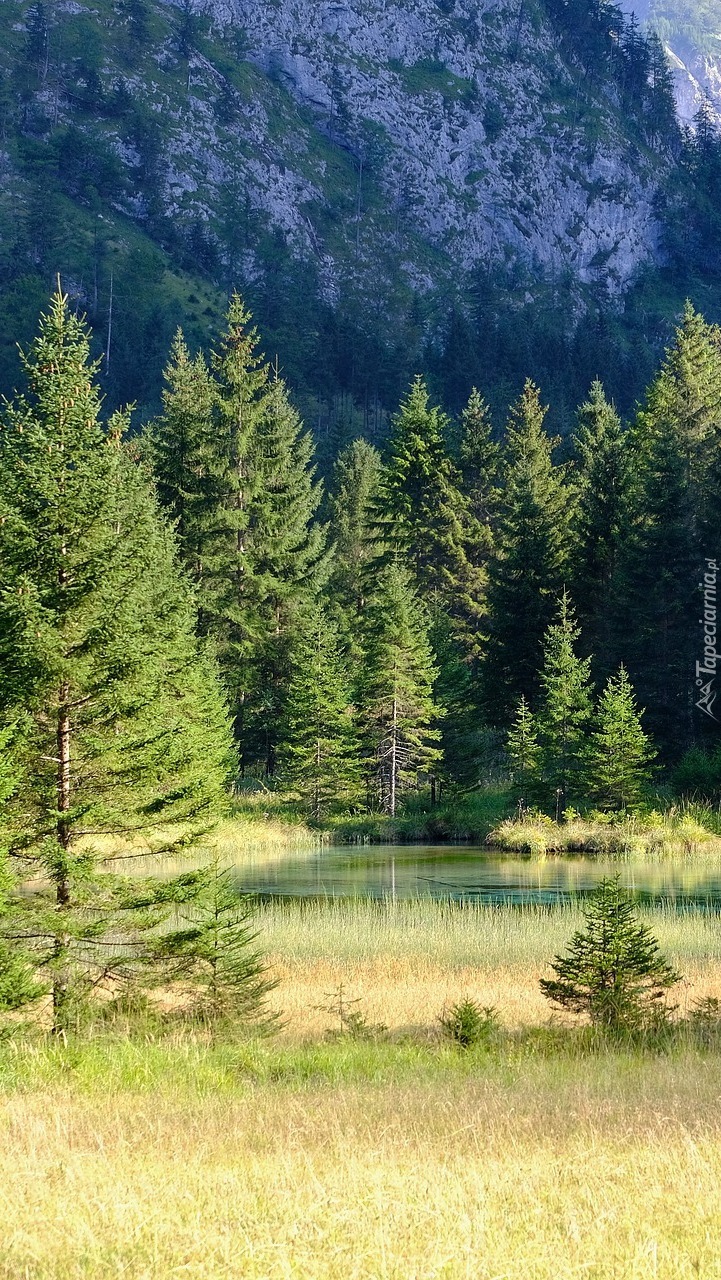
(264, 822)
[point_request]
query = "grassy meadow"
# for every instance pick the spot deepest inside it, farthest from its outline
(148, 1150)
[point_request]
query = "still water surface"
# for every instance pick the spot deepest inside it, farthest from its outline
(476, 875)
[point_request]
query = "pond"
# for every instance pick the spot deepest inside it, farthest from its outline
(475, 875)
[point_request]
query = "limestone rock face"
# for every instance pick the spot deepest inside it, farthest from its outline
(420, 137)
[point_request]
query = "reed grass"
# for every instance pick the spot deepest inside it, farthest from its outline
(404, 961)
(684, 832)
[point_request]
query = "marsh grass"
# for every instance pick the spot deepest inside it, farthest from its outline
(406, 960)
(548, 1151)
(688, 831)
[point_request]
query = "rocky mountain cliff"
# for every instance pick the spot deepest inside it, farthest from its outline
(363, 170)
(691, 34)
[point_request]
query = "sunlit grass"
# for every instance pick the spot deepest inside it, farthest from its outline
(685, 832)
(360, 1161)
(405, 960)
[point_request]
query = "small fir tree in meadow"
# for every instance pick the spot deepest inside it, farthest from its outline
(528, 568)
(212, 957)
(121, 726)
(565, 718)
(614, 970)
(524, 754)
(620, 755)
(320, 758)
(398, 712)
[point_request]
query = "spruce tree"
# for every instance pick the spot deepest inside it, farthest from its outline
(565, 717)
(620, 755)
(685, 396)
(122, 727)
(600, 517)
(614, 970)
(254, 544)
(320, 758)
(185, 460)
(19, 985)
(354, 531)
(288, 563)
(212, 958)
(658, 571)
(524, 754)
(228, 593)
(480, 458)
(397, 709)
(426, 515)
(529, 565)
(464, 734)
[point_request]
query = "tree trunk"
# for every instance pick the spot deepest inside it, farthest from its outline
(394, 759)
(62, 887)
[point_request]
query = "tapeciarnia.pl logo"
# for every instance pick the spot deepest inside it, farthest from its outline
(706, 671)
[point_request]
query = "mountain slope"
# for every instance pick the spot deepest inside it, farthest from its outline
(356, 168)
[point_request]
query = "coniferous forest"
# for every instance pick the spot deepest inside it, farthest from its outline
(189, 608)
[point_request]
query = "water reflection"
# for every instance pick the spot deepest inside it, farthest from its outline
(476, 875)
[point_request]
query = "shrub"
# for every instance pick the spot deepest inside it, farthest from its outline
(468, 1023)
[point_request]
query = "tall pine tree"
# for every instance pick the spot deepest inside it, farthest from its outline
(565, 716)
(354, 531)
(245, 491)
(620, 755)
(397, 709)
(427, 516)
(600, 518)
(528, 569)
(674, 445)
(288, 564)
(183, 455)
(320, 757)
(121, 725)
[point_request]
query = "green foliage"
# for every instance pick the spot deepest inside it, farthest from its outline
(352, 1022)
(673, 454)
(613, 970)
(235, 470)
(619, 756)
(524, 754)
(698, 775)
(182, 453)
(527, 571)
(212, 956)
(353, 508)
(600, 516)
(426, 515)
(320, 758)
(468, 1023)
(122, 727)
(397, 710)
(565, 716)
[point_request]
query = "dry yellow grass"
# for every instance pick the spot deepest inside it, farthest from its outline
(527, 1173)
(372, 1161)
(404, 961)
